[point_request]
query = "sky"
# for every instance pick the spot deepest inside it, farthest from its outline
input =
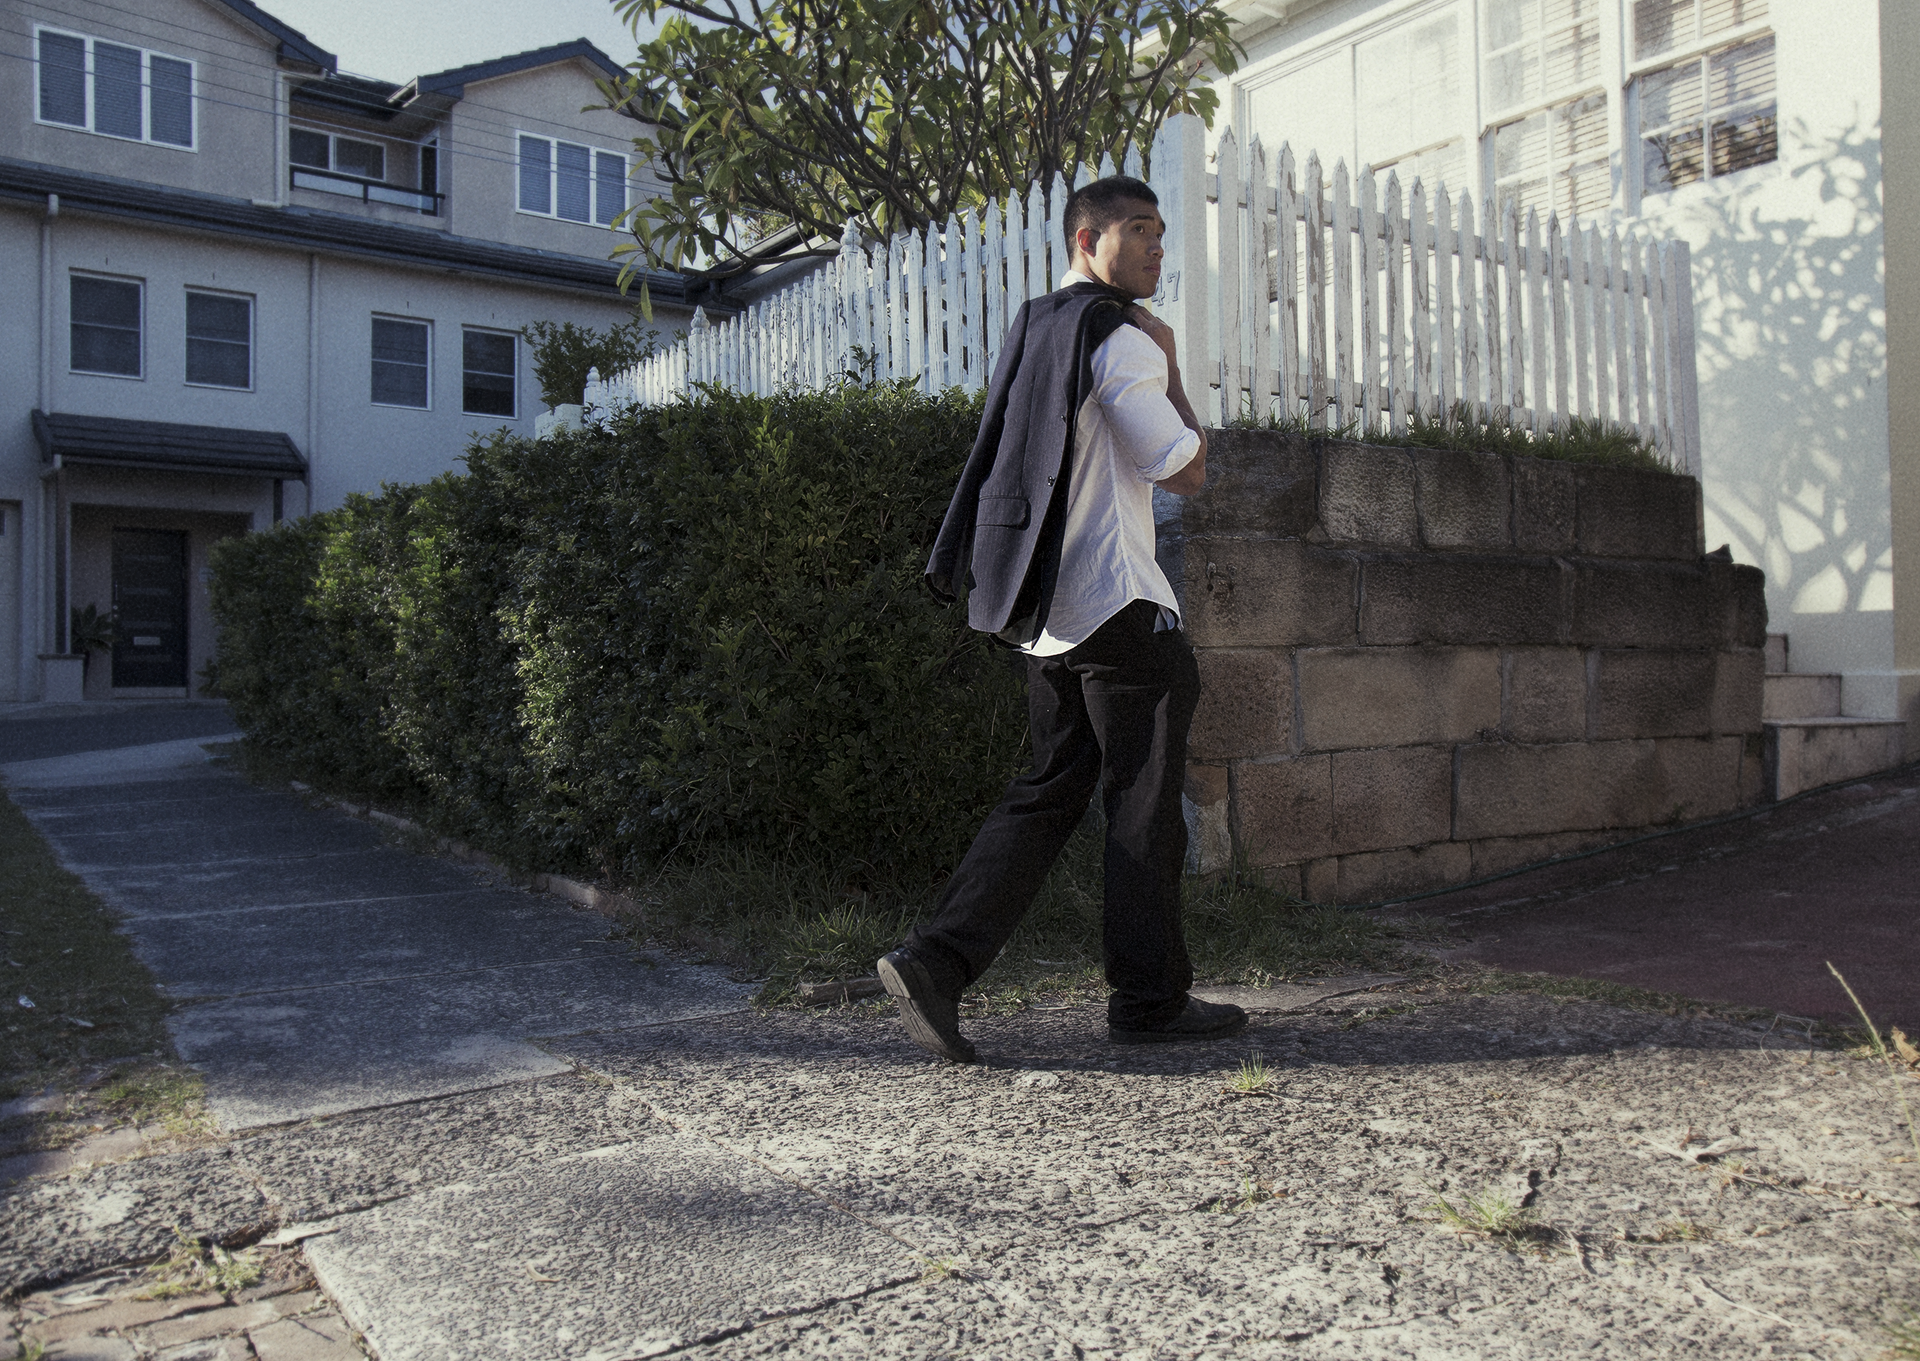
(399, 39)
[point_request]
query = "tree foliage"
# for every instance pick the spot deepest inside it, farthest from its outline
(803, 115)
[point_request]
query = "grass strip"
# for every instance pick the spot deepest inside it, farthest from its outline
(1581, 441)
(791, 922)
(92, 1001)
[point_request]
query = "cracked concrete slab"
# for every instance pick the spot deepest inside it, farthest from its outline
(304, 994)
(627, 1251)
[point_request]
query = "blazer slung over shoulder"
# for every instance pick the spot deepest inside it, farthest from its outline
(1000, 541)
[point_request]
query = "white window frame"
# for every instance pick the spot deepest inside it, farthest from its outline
(411, 321)
(253, 337)
(138, 283)
(333, 152)
(553, 180)
(1694, 49)
(147, 55)
(513, 336)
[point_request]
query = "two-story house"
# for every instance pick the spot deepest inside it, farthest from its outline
(239, 284)
(1781, 139)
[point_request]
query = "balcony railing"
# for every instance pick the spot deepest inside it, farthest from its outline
(367, 191)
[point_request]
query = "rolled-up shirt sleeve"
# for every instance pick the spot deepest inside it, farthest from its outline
(1130, 382)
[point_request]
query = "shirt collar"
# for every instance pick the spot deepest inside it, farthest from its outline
(1074, 276)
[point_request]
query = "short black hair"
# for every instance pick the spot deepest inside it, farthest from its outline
(1099, 205)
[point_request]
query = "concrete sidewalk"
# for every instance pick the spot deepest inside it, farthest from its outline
(499, 1133)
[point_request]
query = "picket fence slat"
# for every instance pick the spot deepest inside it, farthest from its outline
(1340, 299)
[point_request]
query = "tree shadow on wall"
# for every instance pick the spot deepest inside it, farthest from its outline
(1790, 316)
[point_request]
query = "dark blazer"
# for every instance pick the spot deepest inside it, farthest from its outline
(1001, 539)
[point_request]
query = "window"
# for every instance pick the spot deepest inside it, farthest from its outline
(486, 374)
(401, 357)
(570, 181)
(1712, 112)
(219, 340)
(1548, 147)
(1555, 160)
(104, 315)
(116, 91)
(1410, 90)
(343, 155)
(1661, 26)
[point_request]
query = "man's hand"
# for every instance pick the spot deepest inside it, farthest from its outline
(1193, 477)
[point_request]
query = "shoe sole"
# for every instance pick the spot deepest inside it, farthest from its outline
(1175, 1036)
(923, 1031)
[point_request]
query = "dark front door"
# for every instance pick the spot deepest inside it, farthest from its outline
(150, 596)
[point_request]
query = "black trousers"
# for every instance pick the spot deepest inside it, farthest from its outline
(1112, 714)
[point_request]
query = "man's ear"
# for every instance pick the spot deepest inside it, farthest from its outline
(1085, 241)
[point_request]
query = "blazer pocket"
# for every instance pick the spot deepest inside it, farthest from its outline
(1006, 512)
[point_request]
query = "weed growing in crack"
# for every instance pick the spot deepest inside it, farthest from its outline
(1253, 1079)
(1253, 1191)
(195, 1265)
(1493, 1215)
(933, 1270)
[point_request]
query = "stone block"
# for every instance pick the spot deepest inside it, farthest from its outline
(1320, 881)
(1654, 694)
(1207, 784)
(1511, 789)
(1652, 605)
(1742, 592)
(1391, 796)
(1396, 696)
(1543, 506)
(1753, 769)
(1246, 704)
(1463, 600)
(1699, 776)
(1283, 810)
(1267, 593)
(1508, 789)
(1739, 690)
(1366, 495)
(1259, 483)
(1463, 500)
(1205, 804)
(1637, 513)
(1546, 694)
(1496, 855)
(1380, 876)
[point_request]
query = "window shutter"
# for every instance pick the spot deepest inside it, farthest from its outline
(116, 91)
(574, 186)
(610, 187)
(170, 101)
(63, 79)
(536, 177)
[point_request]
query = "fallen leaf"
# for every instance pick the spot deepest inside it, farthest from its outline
(1904, 1047)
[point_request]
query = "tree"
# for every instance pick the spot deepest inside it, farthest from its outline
(778, 123)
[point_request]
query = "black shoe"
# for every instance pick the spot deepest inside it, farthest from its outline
(932, 1017)
(1197, 1021)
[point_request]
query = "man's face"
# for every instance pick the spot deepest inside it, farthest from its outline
(1127, 254)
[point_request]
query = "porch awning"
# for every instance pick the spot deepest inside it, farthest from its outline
(167, 446)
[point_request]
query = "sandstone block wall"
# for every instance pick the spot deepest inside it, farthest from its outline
(1421, 666)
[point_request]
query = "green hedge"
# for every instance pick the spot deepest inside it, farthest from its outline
(702, 625)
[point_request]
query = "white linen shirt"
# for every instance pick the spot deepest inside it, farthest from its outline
(1127, 436)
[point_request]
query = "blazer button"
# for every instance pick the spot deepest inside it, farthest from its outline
(1049, 481)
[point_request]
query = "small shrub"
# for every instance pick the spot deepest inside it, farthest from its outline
(564, 352)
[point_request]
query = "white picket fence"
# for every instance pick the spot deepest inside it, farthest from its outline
(1340, 299)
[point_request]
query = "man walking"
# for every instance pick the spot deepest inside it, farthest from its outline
(1051, 535)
